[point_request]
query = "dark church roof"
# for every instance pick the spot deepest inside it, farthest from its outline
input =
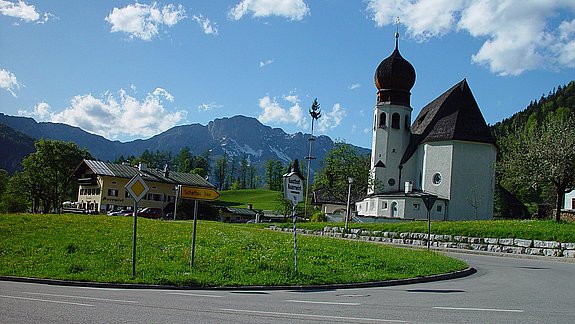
(454, 115)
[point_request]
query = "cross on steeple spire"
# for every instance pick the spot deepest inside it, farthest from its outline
(396, 31)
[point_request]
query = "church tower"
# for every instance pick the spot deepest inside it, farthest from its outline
(394, 78)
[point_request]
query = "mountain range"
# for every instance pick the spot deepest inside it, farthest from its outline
(235, 136)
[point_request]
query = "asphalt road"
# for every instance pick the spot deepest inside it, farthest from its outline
(504, 290)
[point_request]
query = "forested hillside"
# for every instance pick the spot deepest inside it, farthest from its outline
(536, 189)
(14, 147)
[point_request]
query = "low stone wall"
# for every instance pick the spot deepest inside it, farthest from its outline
(502, 245)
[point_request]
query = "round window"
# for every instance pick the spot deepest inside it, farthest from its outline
(437, 179)
(391, 182)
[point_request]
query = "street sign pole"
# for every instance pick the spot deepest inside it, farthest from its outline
(137, 188)
(428, 200)
(194, 234)
(293, 192)
(134, 239)
(294, 235)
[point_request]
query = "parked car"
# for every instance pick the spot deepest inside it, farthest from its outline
(150, 212)
(121, 212)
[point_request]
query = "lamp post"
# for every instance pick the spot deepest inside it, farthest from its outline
(347, 214)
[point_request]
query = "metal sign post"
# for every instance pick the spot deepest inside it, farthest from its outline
(293, 192)
(196, 193)
(137, 188)
(429, 201)
(194, 234)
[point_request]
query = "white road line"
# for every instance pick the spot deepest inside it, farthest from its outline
(482, 309)
(83, 297)
(321, 302)
(312, 316)
(195, 295)
(46, 301)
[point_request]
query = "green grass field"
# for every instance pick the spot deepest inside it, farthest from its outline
(545, 230)
(98, 248)
(259, 198)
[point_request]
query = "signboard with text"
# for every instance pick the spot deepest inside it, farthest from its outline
(198, 193)
(293, 187)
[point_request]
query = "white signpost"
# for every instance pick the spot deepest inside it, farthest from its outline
(137, 188)
(293, 191)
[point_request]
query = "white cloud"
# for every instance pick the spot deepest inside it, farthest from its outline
(144, 21)
(274, 113)
(290, 9)
(9, 82)
(354, 86)
(517, 35)
(20, 10)
(112, 117)
(207, 26)
(266, 63)
(331, 119)
(209, 106)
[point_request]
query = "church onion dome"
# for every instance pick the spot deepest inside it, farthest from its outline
(394, 78)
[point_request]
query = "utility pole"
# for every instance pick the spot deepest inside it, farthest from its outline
(315, 113)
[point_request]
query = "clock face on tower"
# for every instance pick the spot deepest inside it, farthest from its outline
(391, 182)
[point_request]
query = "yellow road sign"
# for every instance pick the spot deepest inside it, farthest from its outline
(137, 188)
(198, 193)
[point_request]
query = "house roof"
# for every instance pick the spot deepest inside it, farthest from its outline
(240, 211)
(454, 115)
(128, 172)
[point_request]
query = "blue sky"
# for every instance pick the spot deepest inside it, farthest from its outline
(128, 70)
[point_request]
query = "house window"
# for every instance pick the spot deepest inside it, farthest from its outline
(415, 206)
(382, 120)
(439, 208)
(113, 192)
(395, 120)
(407, 126)
(126, 194)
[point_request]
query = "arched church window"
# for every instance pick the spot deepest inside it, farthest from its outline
(407, 122)
(395, 120)
(382, 120)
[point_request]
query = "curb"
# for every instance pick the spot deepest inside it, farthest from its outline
(387, 283)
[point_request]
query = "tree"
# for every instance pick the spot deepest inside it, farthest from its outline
(244, 171)
(47, 173)
(340, 163)
(222, 171)
(542, 155)
(274, 171)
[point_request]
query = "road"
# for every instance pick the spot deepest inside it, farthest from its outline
(504, 290)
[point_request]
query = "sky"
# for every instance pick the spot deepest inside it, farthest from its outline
(132, 69)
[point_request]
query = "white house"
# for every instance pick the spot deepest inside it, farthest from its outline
(570, 200)
(448, 151)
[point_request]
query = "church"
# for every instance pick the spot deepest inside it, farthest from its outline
(448, 151)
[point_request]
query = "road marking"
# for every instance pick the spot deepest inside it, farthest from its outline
(195, 295)
(321, 302)
(482, 309)
(46, 301)
(312, 316)
(83, 297)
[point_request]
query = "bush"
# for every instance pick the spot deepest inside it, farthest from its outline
(318, 216)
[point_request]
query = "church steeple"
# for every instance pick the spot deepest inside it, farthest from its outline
(394, 77)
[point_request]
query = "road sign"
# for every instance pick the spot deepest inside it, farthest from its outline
(137, 188)
(198, 193)
(429, 200)
(293, 187)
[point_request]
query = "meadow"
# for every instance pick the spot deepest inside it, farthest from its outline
(98, 248)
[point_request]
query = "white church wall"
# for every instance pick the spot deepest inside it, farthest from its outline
(437, 166)
(472, 181)
(570, 200)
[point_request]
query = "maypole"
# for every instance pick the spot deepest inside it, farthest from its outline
(315, 113)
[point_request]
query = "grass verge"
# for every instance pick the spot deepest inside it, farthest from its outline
(98, 248)
(259, 198)
(545, 230)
